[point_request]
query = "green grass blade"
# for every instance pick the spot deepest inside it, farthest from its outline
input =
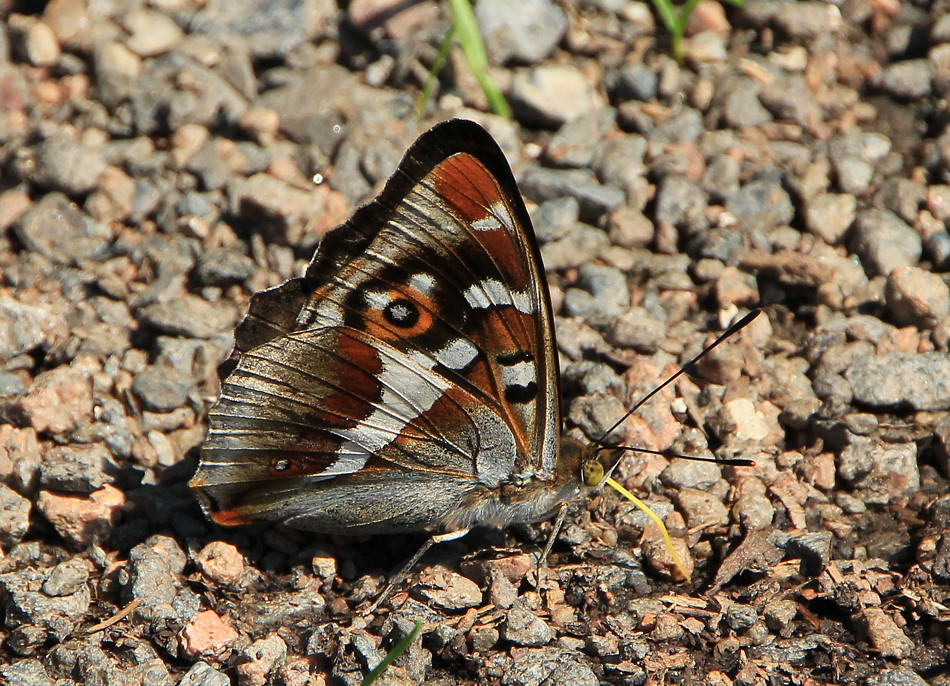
(667, 14)
(675, 21)
(463, 19)
(437, 65)
(391, 656)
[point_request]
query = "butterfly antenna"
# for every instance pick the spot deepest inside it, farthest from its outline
(735, 328)
(734, 461)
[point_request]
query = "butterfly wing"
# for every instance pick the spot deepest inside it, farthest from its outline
(423, 350)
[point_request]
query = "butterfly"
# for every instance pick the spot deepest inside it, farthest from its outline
(409, 380)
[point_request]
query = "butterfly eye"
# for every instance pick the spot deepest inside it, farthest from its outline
(592, 473)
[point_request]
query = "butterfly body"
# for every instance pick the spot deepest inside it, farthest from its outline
(408, 381)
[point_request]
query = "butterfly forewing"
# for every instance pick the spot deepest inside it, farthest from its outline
(448, 279)
(424, 345)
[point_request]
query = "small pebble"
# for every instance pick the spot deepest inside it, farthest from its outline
(551, 95)
(916, 297)
(523, 628)
(830, 215)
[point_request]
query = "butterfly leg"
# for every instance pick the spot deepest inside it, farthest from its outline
(406, 568)
(558, 523)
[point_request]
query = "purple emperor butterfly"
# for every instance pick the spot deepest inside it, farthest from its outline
(409, 381)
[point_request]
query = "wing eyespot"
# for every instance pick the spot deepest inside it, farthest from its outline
(402, 313)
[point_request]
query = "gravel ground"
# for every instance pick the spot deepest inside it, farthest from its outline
(157, 165)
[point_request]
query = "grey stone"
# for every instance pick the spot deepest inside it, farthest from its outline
(607, 285)
(269, 28)
(551, 95)
(286, 609)
(884, 242)
(880, 472)
(701, 508)
(903, 197)
(484, 638)
(850, 504)
(917, 297)
(790, 98)
(26, 639)
(524, 628)
(619, 162)
(267, 652)
(236, 68)
(525, 32)
(586, 377)
(540, 185)
(547, 667)
(223, 267)
(690, 474)
(14, 516)
(66, 578)
(940, 29)
(556, 218)
(634, 82)
(29, 326)
(366, 650)
(907, 79)
(154, 576)
(151, 33)
(741, 617)
(937, 246)
(761, 205)
(637, 329)
(597, 413)
(706, 47)
(208, 165)
(779, 614)
(854, 175)
(896, 676)
(721, 178)
(741, 106)
(447, 590)
(64, 164)
(686, 125)
(25, 603)
(808, 19)
(830, 215)
(833, 387)
(630, 228)
(814, 548)
(854, 157)
(10, 383)
(58, 230)
(189, 316)
(576, 143)
(161, 389)
(29, 672)
(681, 202)
(311, 105)
(866, 146)
(284, 213)
(753, 511)
(203, 674)
(77, 468)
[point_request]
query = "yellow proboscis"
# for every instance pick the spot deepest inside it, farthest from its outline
(593, 473)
